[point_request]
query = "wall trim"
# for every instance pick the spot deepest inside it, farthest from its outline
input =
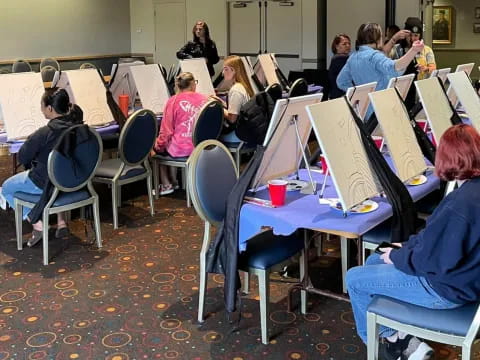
(79, 58)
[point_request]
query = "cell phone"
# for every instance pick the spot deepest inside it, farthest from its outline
(384, 245)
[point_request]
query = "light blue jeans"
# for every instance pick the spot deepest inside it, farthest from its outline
(19, 182)
(378, 278)
(230, 137)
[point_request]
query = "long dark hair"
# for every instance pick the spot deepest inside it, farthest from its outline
(58, 99)
(196, 39)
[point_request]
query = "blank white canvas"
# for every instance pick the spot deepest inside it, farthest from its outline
(151, 86)
(398, 133)
(20, 97)
(268, 68)
(467, 96)
(441, 74)
(358, 97)
(467, 68)
(121, 83)
(402, 83)
(436, 106)
(348, 164)
(86, 89)
(198, 67)
(283, 153)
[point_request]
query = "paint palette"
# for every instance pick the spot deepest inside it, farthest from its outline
(417, 180)
(295, 185)
(365, 207)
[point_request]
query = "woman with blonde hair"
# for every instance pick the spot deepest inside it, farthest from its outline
(240, 92)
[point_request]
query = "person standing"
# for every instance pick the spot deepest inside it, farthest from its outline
(202, 46)
(341, 47)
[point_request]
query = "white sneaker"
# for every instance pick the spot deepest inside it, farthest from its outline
(3, 201)
(417, 350)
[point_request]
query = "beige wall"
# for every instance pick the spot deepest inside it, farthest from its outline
(36, 29)
(142, 26)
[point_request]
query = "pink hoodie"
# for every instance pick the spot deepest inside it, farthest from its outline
(177, 124)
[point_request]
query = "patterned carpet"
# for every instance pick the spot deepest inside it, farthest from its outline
(136, 298)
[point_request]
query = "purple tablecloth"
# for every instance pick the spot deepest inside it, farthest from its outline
(305, 211)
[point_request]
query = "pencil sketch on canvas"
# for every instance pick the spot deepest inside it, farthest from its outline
(198, 67)
(86, 89)
(151, 86)
(121, 82)
(350, 168)
(402, 83)
(467, 96)
(436, 106)
(283, 151)
(20, 97)
(358, 97)
(398, 133)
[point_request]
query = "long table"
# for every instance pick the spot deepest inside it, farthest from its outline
(305, 212)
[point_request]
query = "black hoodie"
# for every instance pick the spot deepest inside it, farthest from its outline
(33, 154)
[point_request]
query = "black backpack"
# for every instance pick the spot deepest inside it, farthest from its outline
(254, 118)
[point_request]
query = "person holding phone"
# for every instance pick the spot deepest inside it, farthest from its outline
(438, 268)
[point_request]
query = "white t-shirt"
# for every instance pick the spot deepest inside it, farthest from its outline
(237, 96)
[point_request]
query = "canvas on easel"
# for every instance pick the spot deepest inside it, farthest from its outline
(466, 68)
(20, 99)
(247, 64)
(466, 94)
(120, 81)
(283, 151)
(402, 83)
(398, 132)
(266, 69)
(436, 106)
(358, 97)
(86, 89)
(198, 67)
(341, 143)
(462, 68)
(151, 86)
(441, 74)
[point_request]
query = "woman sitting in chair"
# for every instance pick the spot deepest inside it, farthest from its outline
(240, 92)
(175, 138)
(33, 155)
(439, 268)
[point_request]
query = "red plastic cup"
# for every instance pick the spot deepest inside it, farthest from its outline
(434, 142)
(123, 104)
(324, 164)
(423, 124)
(277, 190)
(378, 141)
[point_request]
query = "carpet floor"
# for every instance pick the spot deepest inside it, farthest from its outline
(137, 296)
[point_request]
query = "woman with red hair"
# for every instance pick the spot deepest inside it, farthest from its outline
(438, 268)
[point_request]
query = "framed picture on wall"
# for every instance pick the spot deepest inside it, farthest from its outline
(443, 22)
(477, 12)
(476, 28)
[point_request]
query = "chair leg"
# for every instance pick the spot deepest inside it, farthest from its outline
(466, 352)
(264, 292)
(18, 224)
(155, 178)
(203, 273)
(237, 160)
(115, 205)
(246, 282)
(303, 261)
(318, 244)
(372, 336)
(150, 195)
(344, 249)
(45, 237)
(96, 221)
(184, 185)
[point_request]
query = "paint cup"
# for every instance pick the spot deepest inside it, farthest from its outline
(423, 125)
(378, 141)
(123, 104)
(324, 164)
(277, 190)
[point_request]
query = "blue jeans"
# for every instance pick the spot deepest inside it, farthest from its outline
(19, 182)
(230, 137)
(378, 278)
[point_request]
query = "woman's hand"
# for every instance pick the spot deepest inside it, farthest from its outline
(400, 35)
(386, 256)
(152, 152)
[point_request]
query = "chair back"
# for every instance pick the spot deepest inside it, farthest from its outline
(298, 88)
(208, 124)
(87, 66)
(211, 176)
(71, 172)
(48, 73)
(5, 71)
(137, 137)
(50, 62)
(20, 66)
(275, 91)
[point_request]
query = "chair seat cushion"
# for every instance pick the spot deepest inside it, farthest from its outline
(265, 250)
(170, 158)
(383, 232)
(62, 199)
(108, 169)
(234, 145)
(454, 321)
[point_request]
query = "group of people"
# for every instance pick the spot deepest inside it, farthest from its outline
(436, 268)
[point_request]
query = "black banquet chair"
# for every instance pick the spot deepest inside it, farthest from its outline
(20, 66)
(71, 174)
(211, 176)
(298, 88)
(135, 143)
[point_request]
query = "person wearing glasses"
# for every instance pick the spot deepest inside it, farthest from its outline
(200, 47)
(175, 137)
